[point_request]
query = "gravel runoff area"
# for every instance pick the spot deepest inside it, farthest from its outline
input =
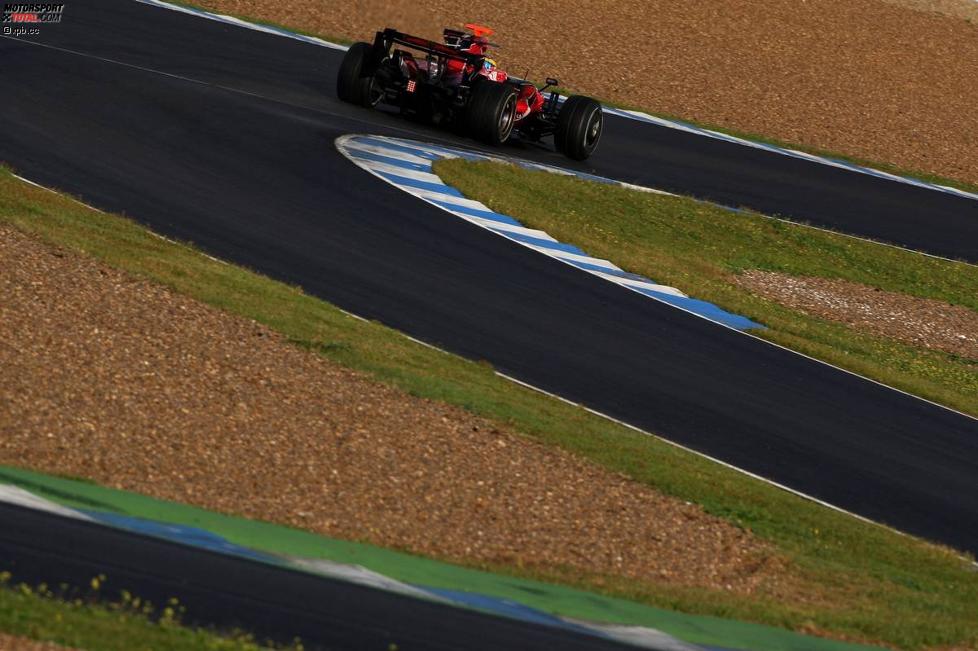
(923, 322)
(131, 385)
(12, 643)
(865, 78)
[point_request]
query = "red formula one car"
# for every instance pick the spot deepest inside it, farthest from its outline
(457, 84)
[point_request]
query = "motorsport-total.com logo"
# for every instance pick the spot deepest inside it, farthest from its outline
(25, 18)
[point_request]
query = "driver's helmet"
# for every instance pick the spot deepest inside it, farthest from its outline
(489, 70)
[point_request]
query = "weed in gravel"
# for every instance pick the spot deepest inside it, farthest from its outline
(108, 620)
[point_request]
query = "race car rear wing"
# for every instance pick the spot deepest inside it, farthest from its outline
(389, 37)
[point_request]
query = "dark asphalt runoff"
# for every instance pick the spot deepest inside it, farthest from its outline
(271, 602)
(224, 137)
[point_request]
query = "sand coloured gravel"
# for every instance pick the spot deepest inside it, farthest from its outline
(967, 9)
(128, 384)
(922, 322)
(865, 78)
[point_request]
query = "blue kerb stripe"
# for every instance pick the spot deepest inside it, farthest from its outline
(440, 188)
(708, 310)
(186, 535)
(505, 219)
(421, 153)
(397, 162)
(695, 306)
(536, 241)
(475, 212)
(509, 608)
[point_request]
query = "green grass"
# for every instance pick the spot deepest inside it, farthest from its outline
(856, 580)
(122, 624)
(698, 248)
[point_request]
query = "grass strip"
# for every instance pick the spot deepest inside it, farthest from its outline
(699, 247)
(415, 570)
(863, 582)
(37, 613)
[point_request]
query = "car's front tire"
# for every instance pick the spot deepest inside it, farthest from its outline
(579, 126)
(491, 113)
(351, 85)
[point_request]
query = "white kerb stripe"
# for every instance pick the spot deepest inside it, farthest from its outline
(427, 177)
(15, 495)
(461, 202)
(630, 282)
(386, 151)
(574, 257)
(509, 228)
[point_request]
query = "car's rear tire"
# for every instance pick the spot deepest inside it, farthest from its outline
(579, 126)
(491, 113)
(351, 85)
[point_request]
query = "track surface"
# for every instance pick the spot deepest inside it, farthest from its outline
(729, 174)
(252, 176)
(270, 602)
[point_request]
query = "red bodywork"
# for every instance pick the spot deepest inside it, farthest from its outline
(529, 100)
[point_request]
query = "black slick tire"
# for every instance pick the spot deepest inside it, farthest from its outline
(579, 126)
(491, 113)
(351, 85)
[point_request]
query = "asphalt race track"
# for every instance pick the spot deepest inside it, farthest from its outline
(258, 181)
(224, 136)
(302, 76)
(270, 602)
